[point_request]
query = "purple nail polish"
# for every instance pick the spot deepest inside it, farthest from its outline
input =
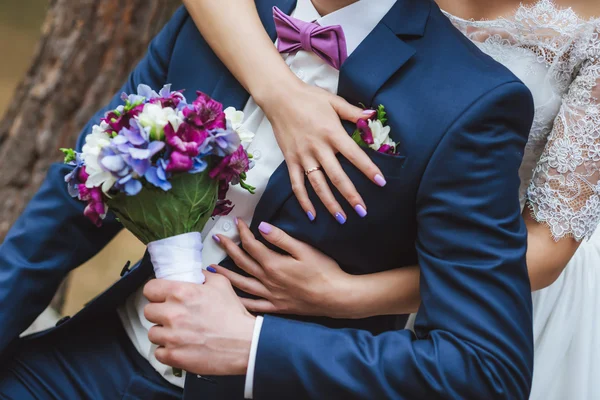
(211, 269)
(360, 210)
(380, 180)
(265, 228)
(216, 239)
(370, 113)
(236, 221)
(340, 218)
(311, 216)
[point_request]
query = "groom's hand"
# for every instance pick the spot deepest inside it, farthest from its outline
(202, 329)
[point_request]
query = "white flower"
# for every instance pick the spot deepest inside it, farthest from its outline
(236, 119)
(156, 117)
(381, 134)
(90, 153)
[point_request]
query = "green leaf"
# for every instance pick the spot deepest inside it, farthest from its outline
(358, 139)
(154, 214)
(381, 114)
(70, 155)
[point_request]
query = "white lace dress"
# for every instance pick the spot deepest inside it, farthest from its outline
(557, 55)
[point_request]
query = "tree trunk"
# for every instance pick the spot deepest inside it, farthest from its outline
(86, 50)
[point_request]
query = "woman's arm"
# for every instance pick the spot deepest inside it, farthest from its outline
(234, 31)
(305, 119)
(310, 283)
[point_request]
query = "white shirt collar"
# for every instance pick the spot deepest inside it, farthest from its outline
(357, 20)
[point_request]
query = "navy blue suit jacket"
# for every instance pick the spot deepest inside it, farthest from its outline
(451, 205)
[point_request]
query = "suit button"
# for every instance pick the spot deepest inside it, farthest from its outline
(125, 269)
(62, 320)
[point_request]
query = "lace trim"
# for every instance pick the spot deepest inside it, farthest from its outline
(564, 145)
(565, 189)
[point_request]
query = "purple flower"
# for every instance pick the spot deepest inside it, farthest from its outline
(221, 142)
(158, 176)
(167, 98)
(179, 162)
(365, 131)
(199, 165)
(205, 113)
(119, 119)
(130, 151)
(186, 140)
(128, 185)
(146, 92)
(223, 207)
(136, 134)
(387, 149)
(231, 167)
(223, 189)
(73, 178)
(95, 210)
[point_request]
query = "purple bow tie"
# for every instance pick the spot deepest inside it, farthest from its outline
(327, 42)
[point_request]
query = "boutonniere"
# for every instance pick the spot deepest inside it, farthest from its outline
(374, 134)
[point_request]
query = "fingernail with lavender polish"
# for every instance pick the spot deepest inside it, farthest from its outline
(340, 218)
(370, 113)
(360, 210)
(211, 269)
(310, 216)
(216, 239)
(380, 180)
(265, 228)
(236, 221)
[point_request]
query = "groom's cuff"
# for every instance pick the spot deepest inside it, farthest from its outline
(249, 387)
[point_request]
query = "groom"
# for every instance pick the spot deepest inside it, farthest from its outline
(450, 204)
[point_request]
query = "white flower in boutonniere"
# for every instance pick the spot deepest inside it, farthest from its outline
(373, 133)
(236, 119)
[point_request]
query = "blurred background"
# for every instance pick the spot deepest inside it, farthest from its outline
(21, 23)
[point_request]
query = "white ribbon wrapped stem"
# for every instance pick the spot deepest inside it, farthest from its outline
(178, 258)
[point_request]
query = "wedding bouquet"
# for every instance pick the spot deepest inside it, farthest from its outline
(163, 167)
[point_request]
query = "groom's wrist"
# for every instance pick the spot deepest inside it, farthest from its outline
(243, 345)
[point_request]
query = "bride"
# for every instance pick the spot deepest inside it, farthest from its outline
(553, 49)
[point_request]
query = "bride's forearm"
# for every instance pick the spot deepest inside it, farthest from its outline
(231, 28)
(546, 258)
(382, 293)
(397, 291)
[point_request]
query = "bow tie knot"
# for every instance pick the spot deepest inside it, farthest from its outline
(327, 42)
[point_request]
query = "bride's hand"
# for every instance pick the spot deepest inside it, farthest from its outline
(305, 282)
(307, 126)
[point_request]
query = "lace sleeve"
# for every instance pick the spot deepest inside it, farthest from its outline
(565, 190)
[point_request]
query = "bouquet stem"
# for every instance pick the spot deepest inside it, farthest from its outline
(178, 258)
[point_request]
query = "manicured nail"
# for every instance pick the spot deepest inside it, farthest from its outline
(265, 228)
(236, 221)
(310, 216)
(380, 180)
(340, 218)
(370, 113)
(216, 238)
(360, 210)
(211, 269)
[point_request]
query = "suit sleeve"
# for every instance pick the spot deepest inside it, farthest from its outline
(52, 236)
(474, 329)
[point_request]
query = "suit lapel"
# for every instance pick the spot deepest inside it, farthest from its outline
(378, 57)
(371, 65)
(383, 52)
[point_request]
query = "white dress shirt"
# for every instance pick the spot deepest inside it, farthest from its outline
(357, 21)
